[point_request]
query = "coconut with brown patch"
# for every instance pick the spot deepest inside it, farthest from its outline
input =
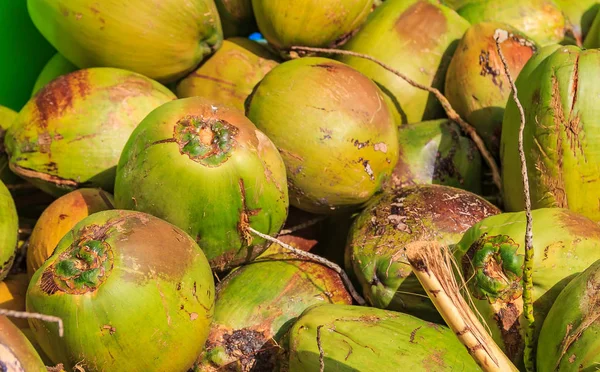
(375, 250)
(229, 75)
(16, 352)
(476, 84)
(71, 133)
(246, 333)
(206, 168)
(491, 256)
(560, 135)
(356, 338)
(415, 37)
(9, 231)
(59, 218)
(333, 128)
(129, 288)
(541, 20)
(312, 23)
(569, 337)
(437, 152)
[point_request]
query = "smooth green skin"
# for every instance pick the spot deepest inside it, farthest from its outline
(561, 132)
(56, 66)
(378, 236)
(9, 227)
(7, 117)
(237, 17)
(16, 352)
(437, 152)
(415, 37)
(457, 4)
(159, 280)
(593, 38)
(287, 287)
(206, 202)
(230, 74)
(24, 53)
(345, 142)
(564, 244)
(313, 23)
(356, 338)
(476, 84)
(579, 14)
(163, 41)
(72, 132)
(569, 337)
(541, 20)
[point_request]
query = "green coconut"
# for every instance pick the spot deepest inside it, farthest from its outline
(24, 53)
(7, 117)
(541, 20)
(129, 288)
(314, 23)
(163, 41)
(56, 66)
(378, 236)
(335, 132)
(415, 37)
(579, 16)
(16, 352)
(592, 39)
(437, 152)
(207, 169)
(72, 132)
(249, 323)
(356, 338)
(491, 255)
(230, 74)
(237, 17)
(562, 127)
(9, 231)
(569, 337)
(476, 84)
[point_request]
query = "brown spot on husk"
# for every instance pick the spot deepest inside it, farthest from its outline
(423, 24)
(56, 97)
(58, 181)
(556, 184)
(246, 349)
(507, 318)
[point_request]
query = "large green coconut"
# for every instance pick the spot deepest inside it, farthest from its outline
(249, 323)
(207, 169)
(135, 294)
(237, 17)
(161, 40)
(579, 15)
(491, 257)
(335, 132)
(541, 20)
(314, 23)
(16, 352)
(72, 132)
(476, 84)
(7, 117)
(56, 66)
(355, 338)
(9, 227)
(23, 53)
(230, 74)
(376, 242)
(417, 38)
(437, 152)
(561, 132)
(569, 337)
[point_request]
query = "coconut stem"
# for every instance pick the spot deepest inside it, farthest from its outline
(25, 315)
(432, 265)
(529, 355)
(302, 226)
(313, 257)
(452, 114)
